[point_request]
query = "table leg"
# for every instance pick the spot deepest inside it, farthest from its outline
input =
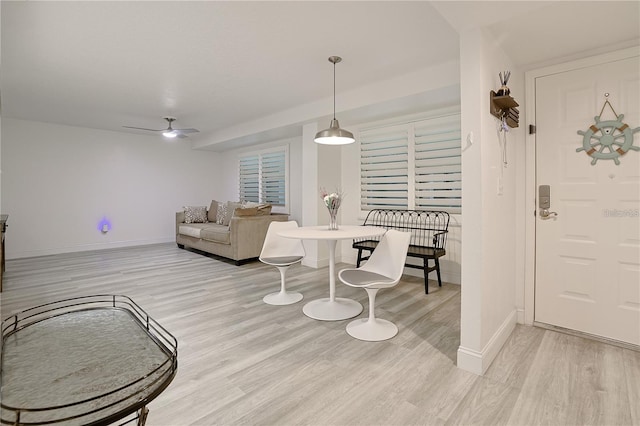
(142, 416)
(332, 308)
(332, 269)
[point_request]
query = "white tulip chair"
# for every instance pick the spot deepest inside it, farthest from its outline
(383, 270)
(282, 253)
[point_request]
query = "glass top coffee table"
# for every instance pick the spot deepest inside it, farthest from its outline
(87, 360)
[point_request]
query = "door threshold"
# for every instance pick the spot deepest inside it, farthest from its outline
(576, 333)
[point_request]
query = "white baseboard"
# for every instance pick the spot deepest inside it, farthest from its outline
(470, 360)
(315, 263)
(478, 362)
(87, 247)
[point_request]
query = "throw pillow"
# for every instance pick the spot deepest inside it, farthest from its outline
(195, 214)
(246, 211)
(221, 214)
(213, 211)
(231, 208)
(264, 209)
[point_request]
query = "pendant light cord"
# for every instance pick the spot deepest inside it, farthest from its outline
(334, 90)
(334, 135)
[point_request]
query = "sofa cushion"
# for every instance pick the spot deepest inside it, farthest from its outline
(216, 233)
(213, 211)
(195, 214)
(188, 230)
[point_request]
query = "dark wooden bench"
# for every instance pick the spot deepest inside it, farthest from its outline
(428, 236)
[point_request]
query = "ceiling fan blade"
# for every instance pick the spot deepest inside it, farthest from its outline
(187, 130)
(181, 136)
(142, 128)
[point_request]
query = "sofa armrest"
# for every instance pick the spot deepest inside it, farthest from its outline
(179, 220)
(248, 233)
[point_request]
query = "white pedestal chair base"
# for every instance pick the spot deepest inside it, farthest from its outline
(279, 298)
(282, 297)
(374, 330)
(382, 270)
(326, 309)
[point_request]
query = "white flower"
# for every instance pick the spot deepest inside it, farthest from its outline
(331, 200)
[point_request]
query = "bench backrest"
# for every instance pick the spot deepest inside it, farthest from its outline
(428, 228)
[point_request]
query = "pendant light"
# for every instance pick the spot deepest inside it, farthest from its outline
(334, 135)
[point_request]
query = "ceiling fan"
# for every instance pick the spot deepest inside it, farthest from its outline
(169, 132)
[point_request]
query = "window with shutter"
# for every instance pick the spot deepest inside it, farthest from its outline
(413, 165)
(273, 182)
(250, 178)
(263, 176)
(384, 162)
(438, 164)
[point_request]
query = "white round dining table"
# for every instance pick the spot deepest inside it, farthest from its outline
(332, 308)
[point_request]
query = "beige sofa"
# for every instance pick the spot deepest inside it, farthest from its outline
(238, 238)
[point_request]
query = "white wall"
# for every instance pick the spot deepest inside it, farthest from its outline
(309, 180)
(1, 210)
(489, 256)
(59, 182)
(329, 178)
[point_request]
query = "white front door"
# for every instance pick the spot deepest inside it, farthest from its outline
(588, 256)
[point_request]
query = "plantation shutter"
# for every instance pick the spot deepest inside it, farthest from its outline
(438, 164)
(249, 179)
(384, 164)
(273, 178)
(263, 177)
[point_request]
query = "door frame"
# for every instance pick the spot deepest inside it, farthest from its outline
(527, 312)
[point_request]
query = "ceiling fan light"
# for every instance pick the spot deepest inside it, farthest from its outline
(334, 135)
(170, 134)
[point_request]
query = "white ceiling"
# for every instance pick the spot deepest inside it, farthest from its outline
(217, 65)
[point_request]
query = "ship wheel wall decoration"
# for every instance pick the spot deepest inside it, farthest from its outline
(607, 140)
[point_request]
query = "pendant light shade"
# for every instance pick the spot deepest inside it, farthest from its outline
(334, 135)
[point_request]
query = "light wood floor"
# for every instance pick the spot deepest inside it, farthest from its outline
(242, 362)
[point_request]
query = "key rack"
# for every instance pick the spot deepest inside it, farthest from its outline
(504, 107)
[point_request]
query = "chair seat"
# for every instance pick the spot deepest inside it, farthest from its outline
(281, 260)
(360, 278)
